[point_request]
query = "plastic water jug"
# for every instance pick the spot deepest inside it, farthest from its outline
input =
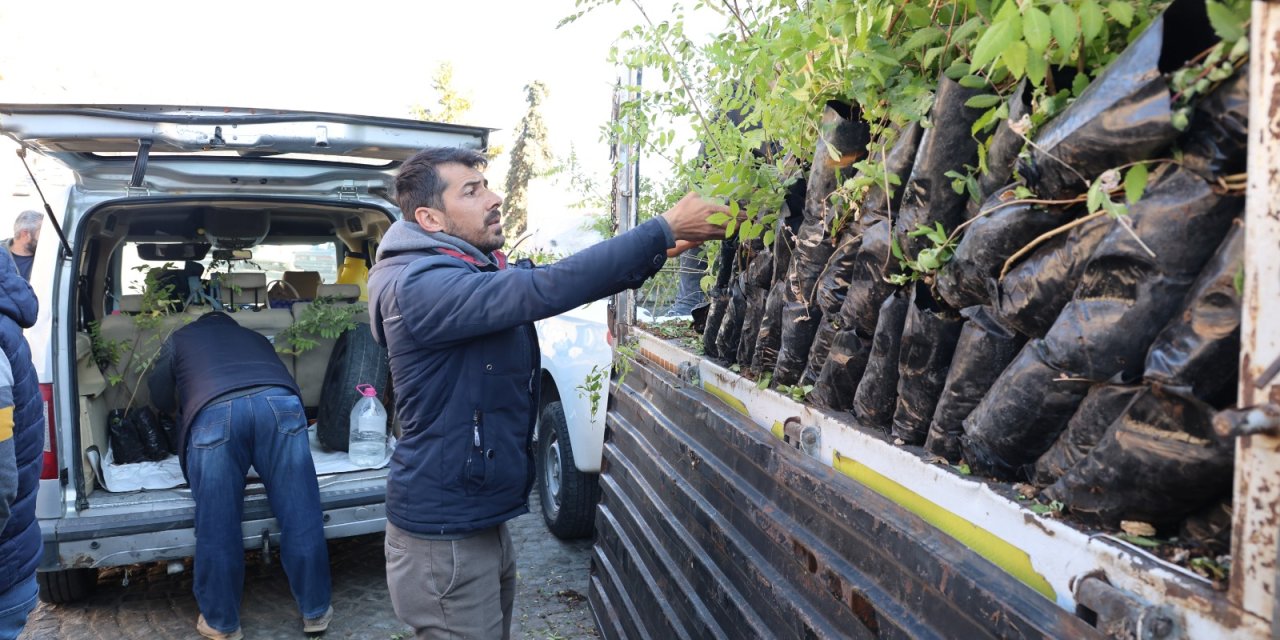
(367, 446)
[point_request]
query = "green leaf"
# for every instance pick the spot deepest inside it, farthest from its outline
(983, 122)
(1238, 281)
(1122, 11)
(923, 38)
(1037, 69)
(1015, 58)
(768, 238)
(1062, 21)
(957, 70)
(982, 101)
(1091, 20)
(973, 82)
(995, 40)
(930, 56)
(1079, 84)
(1135, 182)
(718, 218)
(895, 248)
(1095, 197)
(1224, 22)
(1036, 29)
(917, 16)
(730, 228)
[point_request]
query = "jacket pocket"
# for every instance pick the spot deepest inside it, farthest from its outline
(479, 460)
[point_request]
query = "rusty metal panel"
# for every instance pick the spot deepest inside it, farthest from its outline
(1257, 478)
(710, 528)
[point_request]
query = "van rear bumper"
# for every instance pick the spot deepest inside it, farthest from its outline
(117, 539)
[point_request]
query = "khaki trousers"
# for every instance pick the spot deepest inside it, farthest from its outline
(453, 589)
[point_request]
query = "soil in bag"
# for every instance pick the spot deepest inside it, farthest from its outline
(842, 141)
(867, 286)
(731, 326)
(1198, 350)
(136, 436)
(877, 393)
(719, 295)
(984, 349)
(1159, 462)
(929, 338)
(1218, 137)
(1124, 115)
(927, 197)
(1021, 416)
(758, 277)
(1097, 411)
(1032, 294)
(837, 382)
(769, 338)
(988, 243)
(833, 286)
(1137, 277)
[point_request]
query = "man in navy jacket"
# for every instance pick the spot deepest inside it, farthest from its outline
(458, 327)
(20, 540)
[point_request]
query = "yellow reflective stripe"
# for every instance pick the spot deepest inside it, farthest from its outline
(6, 423)
(1013, 560)
(777, 430)
(727, 398)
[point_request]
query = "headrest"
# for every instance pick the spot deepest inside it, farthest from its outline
(349, 292)
(243, 279)
(131, 303)
(303, 282)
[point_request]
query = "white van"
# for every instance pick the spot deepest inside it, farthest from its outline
(268, 195)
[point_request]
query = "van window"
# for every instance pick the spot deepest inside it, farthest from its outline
(272, 259)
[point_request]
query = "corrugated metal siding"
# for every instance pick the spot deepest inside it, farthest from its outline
(709, 527)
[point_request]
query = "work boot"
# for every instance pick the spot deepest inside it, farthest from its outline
(207, 631)
(318, 625)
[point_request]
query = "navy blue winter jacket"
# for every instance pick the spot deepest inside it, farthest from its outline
(458, 327)
(20, 541)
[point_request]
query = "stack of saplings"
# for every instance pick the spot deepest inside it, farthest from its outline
(1072, 331)
(842, 141)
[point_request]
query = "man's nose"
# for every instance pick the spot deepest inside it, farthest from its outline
(496, 200)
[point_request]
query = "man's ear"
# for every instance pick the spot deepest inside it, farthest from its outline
(429, 218)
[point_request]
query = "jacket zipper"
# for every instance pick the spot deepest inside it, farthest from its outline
(476, 420)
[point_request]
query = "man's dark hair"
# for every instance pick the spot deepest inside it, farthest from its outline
(418, 183)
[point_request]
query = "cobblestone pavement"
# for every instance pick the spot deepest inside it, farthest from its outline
(550, 599)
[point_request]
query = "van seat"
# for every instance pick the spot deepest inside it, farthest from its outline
(304, 283)
(243, 288)
(131, 303)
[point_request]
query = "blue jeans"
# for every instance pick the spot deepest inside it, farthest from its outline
(15, 605)
(268, 430)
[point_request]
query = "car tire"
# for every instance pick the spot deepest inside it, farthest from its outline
(68, 585)
(568, 495)
(356, 359)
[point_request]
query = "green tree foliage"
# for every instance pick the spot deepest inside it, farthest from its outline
(530, 158)
(776, 62)
(451, 104)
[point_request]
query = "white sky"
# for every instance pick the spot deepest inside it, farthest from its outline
(373, 57)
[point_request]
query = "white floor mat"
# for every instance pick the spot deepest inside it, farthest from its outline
(167, 473)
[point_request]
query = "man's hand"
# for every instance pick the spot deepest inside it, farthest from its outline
(681, 247)
(688, 221)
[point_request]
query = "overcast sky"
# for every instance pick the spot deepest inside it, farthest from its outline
(373, 57)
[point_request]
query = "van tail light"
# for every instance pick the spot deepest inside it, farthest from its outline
(608, 337)
(50, 471)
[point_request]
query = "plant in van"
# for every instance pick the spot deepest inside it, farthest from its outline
(157, 303)
(321, 318)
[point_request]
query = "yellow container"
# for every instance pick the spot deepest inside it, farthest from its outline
(355, 271)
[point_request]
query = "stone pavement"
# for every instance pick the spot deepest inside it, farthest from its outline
(550, 598)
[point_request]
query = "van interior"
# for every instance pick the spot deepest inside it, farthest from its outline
(146, 269)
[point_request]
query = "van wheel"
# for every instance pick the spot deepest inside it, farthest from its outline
(568, 495)
(356, 359)
(68, 585)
